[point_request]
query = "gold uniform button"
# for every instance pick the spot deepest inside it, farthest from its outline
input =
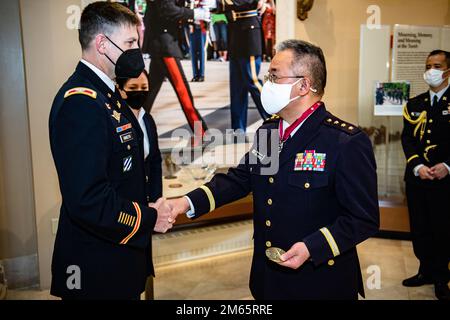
(146, 179)
(271, 180)
(307, 185)
(428, 141)
(268, 223)
(428, 131)
(128, 147)
(269, 202)
(268, 244)
(430, 121)
(331, 263)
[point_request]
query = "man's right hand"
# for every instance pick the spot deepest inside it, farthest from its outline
(179, 206)
(425, 173)
(166, 218)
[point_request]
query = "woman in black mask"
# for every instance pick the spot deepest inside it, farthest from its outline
(135, 92)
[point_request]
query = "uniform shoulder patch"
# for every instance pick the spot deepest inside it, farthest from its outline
(272, 119)
(341, 125)
(81, 90)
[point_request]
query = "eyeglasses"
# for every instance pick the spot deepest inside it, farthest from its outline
(273, 78)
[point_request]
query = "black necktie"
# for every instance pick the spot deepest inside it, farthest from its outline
(435, 101)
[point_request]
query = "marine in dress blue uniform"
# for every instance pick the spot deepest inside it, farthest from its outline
(163, 20)
(245, 42)
(105, 223)
(324, 194)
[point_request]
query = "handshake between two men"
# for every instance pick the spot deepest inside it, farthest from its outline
(168, 211)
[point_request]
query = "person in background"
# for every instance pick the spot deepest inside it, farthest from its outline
(197, 37)
(426, 144)
(162, 21)
(245, 49)
(219, 23)
(268, 13)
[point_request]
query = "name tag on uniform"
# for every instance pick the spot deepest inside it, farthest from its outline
(310, 161)
(258, 154)
(126, 137)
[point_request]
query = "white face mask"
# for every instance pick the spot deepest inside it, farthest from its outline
(433, 77)
(275, 96)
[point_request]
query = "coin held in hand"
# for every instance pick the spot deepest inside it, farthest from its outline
(274, 254)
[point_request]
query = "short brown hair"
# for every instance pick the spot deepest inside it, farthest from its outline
(103, 17)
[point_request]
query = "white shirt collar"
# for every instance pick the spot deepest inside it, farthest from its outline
(438, 94)
(107, 80)
(141, 114)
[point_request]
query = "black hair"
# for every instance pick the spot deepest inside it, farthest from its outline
(121, 82)
(445, 53)
(103, 17)
(312, 58)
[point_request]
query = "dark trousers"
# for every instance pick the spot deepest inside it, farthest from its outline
(170, 67)
(198, 51)
(244, 79)
(429, 214)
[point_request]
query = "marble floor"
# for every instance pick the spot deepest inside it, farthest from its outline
(225, 277)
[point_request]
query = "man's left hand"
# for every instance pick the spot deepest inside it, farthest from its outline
(439, 171)
(296, 256)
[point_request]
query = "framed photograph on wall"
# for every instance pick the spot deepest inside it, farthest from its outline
(390, 97)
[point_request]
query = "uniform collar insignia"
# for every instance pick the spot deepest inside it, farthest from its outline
(116, 115)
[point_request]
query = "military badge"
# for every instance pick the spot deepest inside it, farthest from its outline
(123, 128)
(274, 254)
(310, 161)
(124, 138)
(258, 154)
(116, 115)
(127, 164)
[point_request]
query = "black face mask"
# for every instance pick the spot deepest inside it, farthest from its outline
(136, 99)
(130, 63)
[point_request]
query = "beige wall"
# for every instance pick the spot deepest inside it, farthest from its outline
(17, 228)
(51, 54)
(334, 25)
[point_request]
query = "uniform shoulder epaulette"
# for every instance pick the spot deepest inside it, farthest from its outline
(272, 119)
(341, 125)
(81, 90)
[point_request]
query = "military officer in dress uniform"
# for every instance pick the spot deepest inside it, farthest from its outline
(103, 244)
(321, 199)
(162, 20)
(245, 41)
(426, 143)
